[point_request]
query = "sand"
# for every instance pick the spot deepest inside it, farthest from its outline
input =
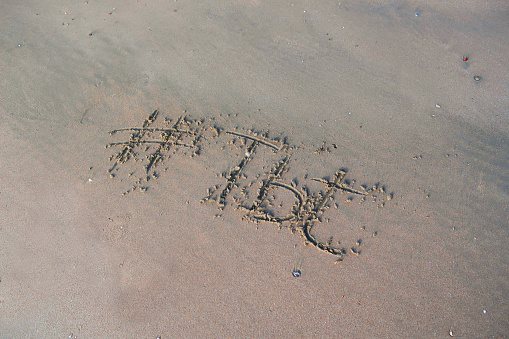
(378, 89)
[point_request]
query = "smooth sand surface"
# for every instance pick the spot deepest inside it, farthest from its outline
(379, 89)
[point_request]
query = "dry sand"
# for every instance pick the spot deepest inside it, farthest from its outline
(382, 86)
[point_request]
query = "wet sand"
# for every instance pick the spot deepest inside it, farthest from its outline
(385, 91)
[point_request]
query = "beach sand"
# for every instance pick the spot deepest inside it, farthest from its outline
(408, 97)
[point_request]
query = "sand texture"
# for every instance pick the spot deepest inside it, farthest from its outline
(254, 168)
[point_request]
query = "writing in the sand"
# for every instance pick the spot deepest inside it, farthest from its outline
(252, 184)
